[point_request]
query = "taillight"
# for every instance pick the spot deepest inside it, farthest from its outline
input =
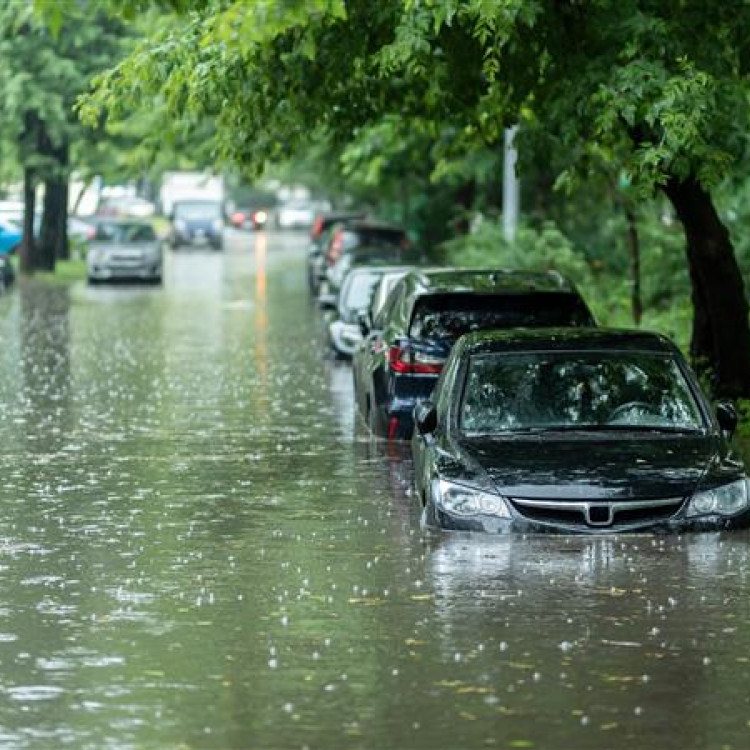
(317, 228)
(413, 362)
(334, 251)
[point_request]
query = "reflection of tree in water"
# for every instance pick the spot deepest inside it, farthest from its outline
(542, 390)
(45, 357)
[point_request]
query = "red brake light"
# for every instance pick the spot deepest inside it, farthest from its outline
(411, 362)
(317, 227)
(337, 245)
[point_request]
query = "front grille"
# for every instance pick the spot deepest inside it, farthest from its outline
(594, 514)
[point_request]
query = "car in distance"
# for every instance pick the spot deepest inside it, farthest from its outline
(575, 430)
(403, 354)
(124, 250)
(355, 297)
(295, 214)
(197, 222)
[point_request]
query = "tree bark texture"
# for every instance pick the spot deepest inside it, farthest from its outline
(28, 243)
(720, 345)
(634, 250)
(53, 239)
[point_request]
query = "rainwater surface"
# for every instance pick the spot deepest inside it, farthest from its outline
(201, 548)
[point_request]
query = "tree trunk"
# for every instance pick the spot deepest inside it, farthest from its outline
(720, 345)
(53, 240)
(28, 244)
(62, 246)
(634, 250)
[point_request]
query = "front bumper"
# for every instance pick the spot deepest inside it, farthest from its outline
(108, 271)
(197, 237)
(678, 523)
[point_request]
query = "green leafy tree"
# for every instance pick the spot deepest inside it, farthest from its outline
(42, 73)
(630, 76)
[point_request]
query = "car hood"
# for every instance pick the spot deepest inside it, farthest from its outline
(616, 468)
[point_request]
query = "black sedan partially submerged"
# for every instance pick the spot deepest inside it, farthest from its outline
(575, 430)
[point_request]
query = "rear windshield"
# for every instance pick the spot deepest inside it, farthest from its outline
(448, 316)
(384, 255)
(198, 210)
(119, 232)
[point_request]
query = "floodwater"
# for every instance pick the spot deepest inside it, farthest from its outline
(199, 548)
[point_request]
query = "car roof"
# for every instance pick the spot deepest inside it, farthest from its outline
(486, 280)
(566, 339)
(370, 225)
(380, 270)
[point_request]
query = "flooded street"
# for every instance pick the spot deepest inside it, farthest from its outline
(200, 548)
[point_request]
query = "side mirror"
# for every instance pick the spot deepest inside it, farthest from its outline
(327, 302)
(364, 322)
(425, 417)
(726, 414)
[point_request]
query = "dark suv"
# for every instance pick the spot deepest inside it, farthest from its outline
(405, 347)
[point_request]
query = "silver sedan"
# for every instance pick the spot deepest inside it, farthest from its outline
(124, 250)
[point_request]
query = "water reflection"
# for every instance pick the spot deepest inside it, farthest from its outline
(215, 554)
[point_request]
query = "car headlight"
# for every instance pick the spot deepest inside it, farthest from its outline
(217, 224)
(461, 500)
(727, 500)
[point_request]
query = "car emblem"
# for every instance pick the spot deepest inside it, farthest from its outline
(599, 514)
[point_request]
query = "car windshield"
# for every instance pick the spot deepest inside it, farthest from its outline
(577, 391)
(202, 210)
(359, 291)
(126, 233)
(448, 316)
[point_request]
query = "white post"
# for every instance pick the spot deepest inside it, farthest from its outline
(511, 186)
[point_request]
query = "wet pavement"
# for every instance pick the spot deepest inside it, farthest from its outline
(199, 548)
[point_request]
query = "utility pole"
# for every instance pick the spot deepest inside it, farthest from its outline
(511, 185)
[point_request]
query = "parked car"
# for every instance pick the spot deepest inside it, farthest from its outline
(124, 250)
(342, 325)
(362, 242)
(348, 235)
(403, 354)
(10, 237)
(575, 430)
(197, 222)
(368, 257)
(321, 228)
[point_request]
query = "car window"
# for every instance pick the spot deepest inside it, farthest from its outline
(448, 316)
(391, 302)
(198, 210)
(119, 232)
(569, 390)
